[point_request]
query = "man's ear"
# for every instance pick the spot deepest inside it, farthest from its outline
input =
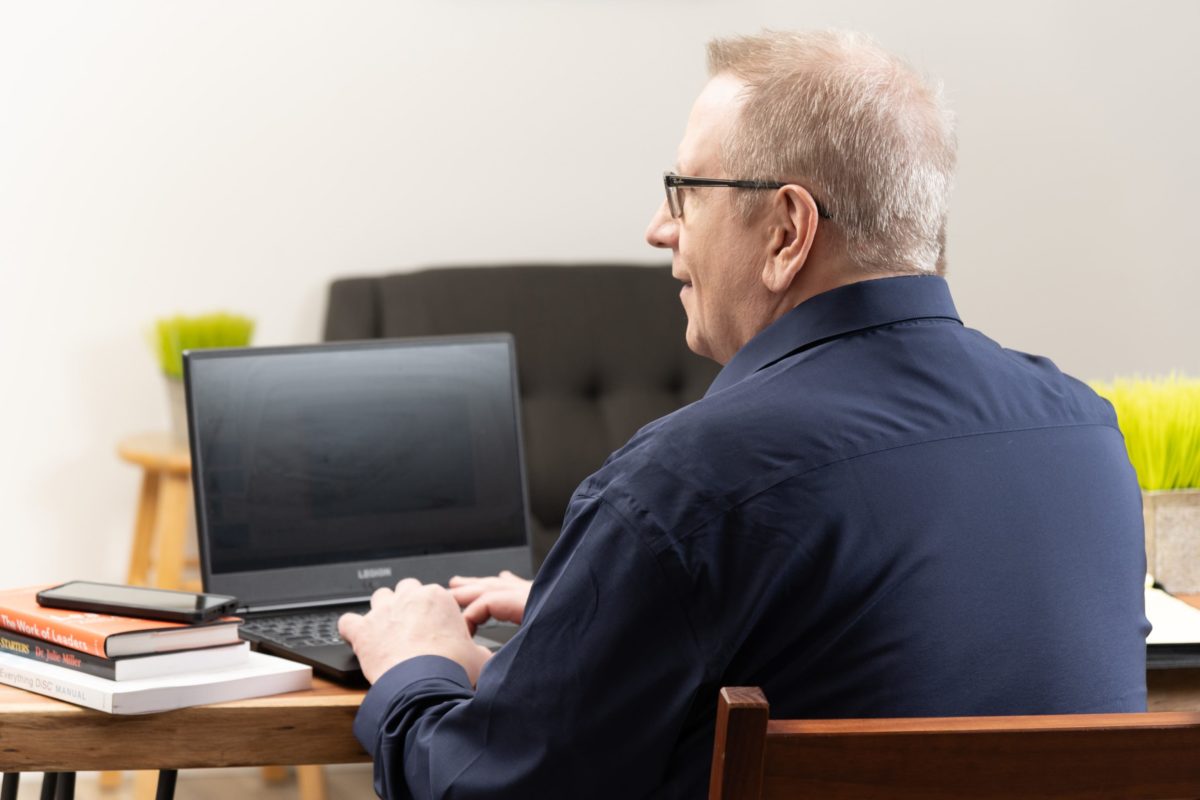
(792, 223)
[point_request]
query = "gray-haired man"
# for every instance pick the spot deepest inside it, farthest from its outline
(874, 511)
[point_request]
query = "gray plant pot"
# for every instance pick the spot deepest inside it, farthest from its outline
(1173, 538)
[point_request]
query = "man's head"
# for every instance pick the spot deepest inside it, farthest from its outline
(864, 149)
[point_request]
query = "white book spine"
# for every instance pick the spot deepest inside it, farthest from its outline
(60, 687)
(260, 675)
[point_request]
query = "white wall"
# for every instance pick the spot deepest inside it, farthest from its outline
(161, 157)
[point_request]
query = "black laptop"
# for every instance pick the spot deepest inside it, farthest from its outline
(324, 472)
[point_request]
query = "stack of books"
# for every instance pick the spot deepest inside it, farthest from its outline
(128, 665)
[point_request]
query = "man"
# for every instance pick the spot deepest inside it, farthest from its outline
(874, 511)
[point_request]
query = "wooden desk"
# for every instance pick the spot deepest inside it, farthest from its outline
(38, 734)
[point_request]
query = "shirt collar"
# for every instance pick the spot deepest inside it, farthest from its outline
(840, 311)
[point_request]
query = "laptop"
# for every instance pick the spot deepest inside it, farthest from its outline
(324, 472)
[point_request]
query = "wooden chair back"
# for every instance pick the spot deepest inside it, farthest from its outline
(1150, 756)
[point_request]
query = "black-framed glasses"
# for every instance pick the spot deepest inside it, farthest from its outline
(672, 183)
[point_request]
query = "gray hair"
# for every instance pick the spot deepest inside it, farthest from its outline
(854, 124)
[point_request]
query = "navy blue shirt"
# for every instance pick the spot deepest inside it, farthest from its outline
(874, 511)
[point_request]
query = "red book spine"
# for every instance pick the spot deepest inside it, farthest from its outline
(49, 631)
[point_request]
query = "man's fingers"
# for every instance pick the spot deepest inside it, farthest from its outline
(477, 613)
(466, 592)
(349, 626)
(505, 578)
(502, 605)
(408, 583)
(463, 595)
(380, 596)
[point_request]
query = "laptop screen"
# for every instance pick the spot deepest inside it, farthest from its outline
(352, 453)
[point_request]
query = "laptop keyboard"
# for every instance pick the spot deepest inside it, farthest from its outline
(310, 629)
(319, 628)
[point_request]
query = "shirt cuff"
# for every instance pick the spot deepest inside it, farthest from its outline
(380, 698)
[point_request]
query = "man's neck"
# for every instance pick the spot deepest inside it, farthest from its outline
(821, 275)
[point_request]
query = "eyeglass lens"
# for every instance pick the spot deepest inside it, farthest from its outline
(673, 198)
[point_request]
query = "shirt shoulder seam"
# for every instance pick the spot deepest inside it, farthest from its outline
(707, 521)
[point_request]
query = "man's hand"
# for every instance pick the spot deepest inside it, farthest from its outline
(501, 597)
(414, 620)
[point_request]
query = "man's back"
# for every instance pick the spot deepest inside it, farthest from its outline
(873, 512)
(900, 519)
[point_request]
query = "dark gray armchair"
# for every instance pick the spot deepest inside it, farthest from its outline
(600, 352)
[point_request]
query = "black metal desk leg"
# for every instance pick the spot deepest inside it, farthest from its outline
(166, 784)
(8, 790)
(49, 784)
(66, 786)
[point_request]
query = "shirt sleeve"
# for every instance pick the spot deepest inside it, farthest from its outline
(587, 700)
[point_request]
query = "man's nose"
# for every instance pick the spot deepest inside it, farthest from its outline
(663, 230)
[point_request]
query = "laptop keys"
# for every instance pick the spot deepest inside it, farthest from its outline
(310, 629)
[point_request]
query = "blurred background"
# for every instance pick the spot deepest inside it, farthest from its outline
(169, 157)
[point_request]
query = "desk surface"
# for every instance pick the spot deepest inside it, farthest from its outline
(38, 734)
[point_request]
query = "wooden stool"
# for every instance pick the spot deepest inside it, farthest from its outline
(163, 503)
(162, 519)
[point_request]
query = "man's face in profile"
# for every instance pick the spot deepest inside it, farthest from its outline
(718, 255)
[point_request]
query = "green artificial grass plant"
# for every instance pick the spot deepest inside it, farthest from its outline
(1160, 419)
(173, 335)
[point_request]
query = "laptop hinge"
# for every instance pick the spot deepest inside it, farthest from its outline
(338, 601)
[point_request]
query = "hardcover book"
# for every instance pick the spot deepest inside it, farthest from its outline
(261, 675)
(105, 635)
(128, 667)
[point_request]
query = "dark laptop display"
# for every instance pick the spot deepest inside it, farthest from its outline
(324, 472)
